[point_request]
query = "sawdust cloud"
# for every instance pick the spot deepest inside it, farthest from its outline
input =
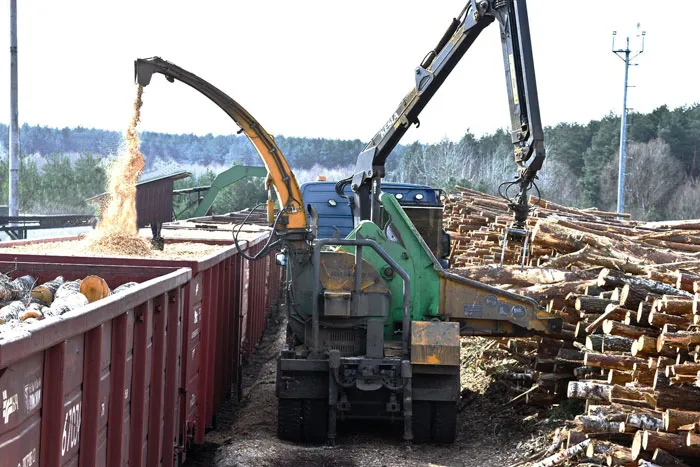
(116, 231)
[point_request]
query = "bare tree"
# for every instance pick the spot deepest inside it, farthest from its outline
(652, 174)
(685, 201)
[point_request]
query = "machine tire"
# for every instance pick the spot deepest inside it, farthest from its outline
(289, 419)
(314, 420)
(444, 422)
(421, 421)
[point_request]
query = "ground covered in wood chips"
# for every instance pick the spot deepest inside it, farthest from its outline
(84, 247)
(492, 431)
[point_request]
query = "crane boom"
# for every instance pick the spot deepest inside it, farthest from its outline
(280, 175)
(527, 135)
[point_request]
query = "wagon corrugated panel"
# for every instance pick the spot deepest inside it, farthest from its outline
(223, 319)
(99, 385)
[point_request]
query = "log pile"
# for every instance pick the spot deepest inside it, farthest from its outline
(629, 296)
(22, 301)
(476, 223)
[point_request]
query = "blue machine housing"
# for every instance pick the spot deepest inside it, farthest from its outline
(334, 215)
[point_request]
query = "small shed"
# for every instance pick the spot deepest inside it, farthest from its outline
(154, 197)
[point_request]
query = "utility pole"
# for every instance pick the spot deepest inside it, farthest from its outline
(14, 115)
(623, 120)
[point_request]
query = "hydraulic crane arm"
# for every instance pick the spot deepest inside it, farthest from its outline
(527, 135)
(293, 216)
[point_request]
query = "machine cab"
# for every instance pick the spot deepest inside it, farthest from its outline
(423, 205)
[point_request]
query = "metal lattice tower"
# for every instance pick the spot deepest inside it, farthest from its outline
(627, 56)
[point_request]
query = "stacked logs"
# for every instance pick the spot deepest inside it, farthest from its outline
(22, 301)
(628, 294)
(477, 222)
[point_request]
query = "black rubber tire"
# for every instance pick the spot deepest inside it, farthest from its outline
(422, 421)
(444, 422)
(314, 421)
(289, 419)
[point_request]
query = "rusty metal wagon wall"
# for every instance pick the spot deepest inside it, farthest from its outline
(224, 300)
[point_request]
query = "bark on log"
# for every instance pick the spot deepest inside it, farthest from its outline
(621, 456)
(588, 390)
(67, 288)
(692, 440)
(643, 314)
(683, 369)
(631, 297)
(123, 288)
(644, 346)
(67, 303)
(614, 343)
(611, 278)
(570, 356)
(669, 442)
(619, 377)
(592, 304)
(675, 305)
(673, 419)
(658, 320)
(681, 339)
(583, 372)
(594, 342)
(662, 457)
(675, 396)
(574, 437)
(611, 312)
(643, 421)
(611, 327)
(686, 281)
(522, 276)
(11, 311)
(543, 293)
(45, 292)
(596, 424)
(562, 456)
(612, 361)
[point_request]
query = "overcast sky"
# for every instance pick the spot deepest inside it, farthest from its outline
(333, 69)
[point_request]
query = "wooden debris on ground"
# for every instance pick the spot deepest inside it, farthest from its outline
(628, 293)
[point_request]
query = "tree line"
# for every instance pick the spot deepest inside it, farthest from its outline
(62, 167)
(581, 170)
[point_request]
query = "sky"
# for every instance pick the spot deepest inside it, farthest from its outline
(331, 69)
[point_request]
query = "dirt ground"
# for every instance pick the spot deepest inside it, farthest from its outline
(492, 431)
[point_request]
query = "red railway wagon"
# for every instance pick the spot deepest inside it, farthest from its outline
(227, 301)
(99, 385)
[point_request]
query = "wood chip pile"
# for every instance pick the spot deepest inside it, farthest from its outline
(629, 295)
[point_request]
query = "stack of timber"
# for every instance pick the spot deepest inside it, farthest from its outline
(476, 223)
(629, 296)
(24, 301)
